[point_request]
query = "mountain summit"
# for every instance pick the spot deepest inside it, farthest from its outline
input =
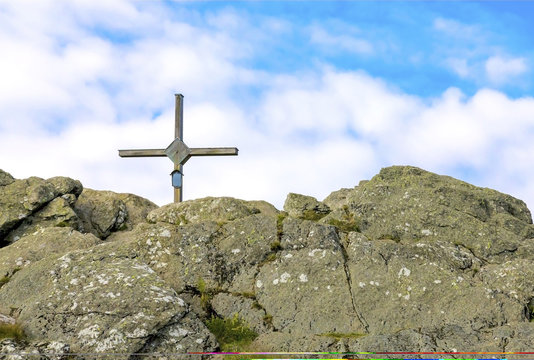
(409, 261)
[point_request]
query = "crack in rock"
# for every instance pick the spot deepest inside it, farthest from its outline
(349, 282)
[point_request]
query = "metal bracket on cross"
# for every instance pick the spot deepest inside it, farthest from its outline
(178, 152)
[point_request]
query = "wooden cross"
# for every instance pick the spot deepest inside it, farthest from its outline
(177, 151)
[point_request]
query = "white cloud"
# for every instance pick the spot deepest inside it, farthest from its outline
(459, 66)
(346, 42)
(70, 102)
(455, 28)
(501, 70)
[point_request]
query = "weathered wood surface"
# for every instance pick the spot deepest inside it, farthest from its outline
(214, 151)
(142, 153)
(194, 152)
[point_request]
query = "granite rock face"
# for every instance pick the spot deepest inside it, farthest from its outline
(407, 261)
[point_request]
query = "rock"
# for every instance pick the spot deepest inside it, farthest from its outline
(23, 198)
(224, 256)
(137, 208)
(42, 350)
(6, 178)
(57, 213)
(305, 207)
(310, 265)
(263, 207)
(6, 319)
(64, 185)
(408, 204)
(429, 284)
(337, 199)
(46, 242)
(407, 261)
(100, 303)
(208, 209)
(102, 212)
(228, 305)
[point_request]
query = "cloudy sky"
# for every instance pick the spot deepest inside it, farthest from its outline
(316, 95)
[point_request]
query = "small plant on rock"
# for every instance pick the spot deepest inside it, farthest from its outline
(204, 296)
(312, 215)
(280, 223)
(232, 334)
(4, 280)
(276, 246)
(11, 331)
(347, 223)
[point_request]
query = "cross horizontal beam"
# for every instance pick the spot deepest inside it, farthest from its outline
(224, 151)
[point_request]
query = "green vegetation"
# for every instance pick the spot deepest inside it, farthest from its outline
(182, 220)
(205, 297)
(530, 308)
(11, 331)
(5, 279)
(280, 223)
(247, 294)
(312, 215)
(256, 305)
(253, 237)
(348, 221)
(268, 319)
(232, 334)
(275, 246)
(394, 237)
(270, 258)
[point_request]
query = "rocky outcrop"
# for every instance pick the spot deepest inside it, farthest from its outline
(103, 212)
(27, 203)
(305, 207)
(407, 261)
(407, 205)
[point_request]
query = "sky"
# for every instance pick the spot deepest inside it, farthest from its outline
(317, 95)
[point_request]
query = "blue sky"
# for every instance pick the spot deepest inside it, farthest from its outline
(317, 95)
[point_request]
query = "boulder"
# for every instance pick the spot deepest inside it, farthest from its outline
(52, 350)
(49, 241)
(57, 213)
(103, 212)
(99, 303)
(21, 199)
(407, 204)
(305, 207)
(5, 178)
(220, 210)
(223, 256)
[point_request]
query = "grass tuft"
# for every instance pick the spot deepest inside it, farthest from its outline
(204, 295)
(232, 334)
(347, 223)
(275, 246)
(280, 223)
(11, 331)
(5, 279)
(312, 215)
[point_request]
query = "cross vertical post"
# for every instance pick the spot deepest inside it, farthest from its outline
(179, 134)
